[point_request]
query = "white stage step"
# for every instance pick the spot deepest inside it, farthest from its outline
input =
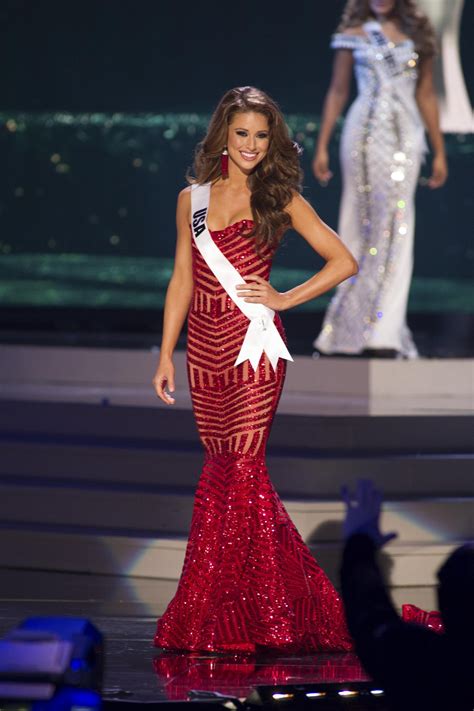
(88, 595)
(38, 535)
(161, 559)
(167, 512)
(97, 476)
(312, 473)
(327, 386)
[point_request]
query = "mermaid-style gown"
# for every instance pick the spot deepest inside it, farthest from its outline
(381, 148)
(248, 579)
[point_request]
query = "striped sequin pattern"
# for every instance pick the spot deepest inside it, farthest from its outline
(248, 581)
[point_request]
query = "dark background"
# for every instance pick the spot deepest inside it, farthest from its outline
(114, 88)
(151, 55)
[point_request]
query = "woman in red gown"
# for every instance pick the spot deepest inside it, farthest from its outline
(248, 580)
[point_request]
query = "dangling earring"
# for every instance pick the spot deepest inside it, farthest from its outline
(225, 164)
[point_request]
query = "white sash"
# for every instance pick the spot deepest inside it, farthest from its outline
(262, 335)
(390, 70)
(390, 66)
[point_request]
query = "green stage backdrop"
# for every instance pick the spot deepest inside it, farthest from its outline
(87, 212)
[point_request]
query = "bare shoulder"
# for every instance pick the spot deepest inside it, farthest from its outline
(353, 31)
(301, 211)
(183, 207)
(297, 205)
(185, 194)
(184, 198)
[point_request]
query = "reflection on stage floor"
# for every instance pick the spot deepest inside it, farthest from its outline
(176, 673)
(136, 671)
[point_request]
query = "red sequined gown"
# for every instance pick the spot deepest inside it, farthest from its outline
(248, 579)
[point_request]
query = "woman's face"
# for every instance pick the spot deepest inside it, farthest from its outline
(248, 140)
(382, 7)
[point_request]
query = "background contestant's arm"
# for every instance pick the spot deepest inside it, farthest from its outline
(428, 105)
(334, 103)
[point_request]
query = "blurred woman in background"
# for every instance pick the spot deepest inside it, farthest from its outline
(391, 46)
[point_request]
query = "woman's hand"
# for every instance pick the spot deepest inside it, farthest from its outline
(258, 291)
(439, 171)
(321, 166)
(164, 378)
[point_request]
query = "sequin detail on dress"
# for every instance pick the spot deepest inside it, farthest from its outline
(381, 148)
(248, 579)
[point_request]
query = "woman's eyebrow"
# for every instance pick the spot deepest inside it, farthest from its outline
(262, 130)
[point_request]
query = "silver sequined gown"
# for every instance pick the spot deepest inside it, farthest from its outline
(382, 145)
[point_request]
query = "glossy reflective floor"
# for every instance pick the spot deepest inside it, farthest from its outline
(237, 675)
(135, 670)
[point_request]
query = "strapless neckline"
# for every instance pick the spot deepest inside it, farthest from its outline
(232, 226)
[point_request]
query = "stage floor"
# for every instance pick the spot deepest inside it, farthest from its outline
(137, 671)
(97, 482)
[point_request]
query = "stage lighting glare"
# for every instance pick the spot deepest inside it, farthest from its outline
(280, 697)
(398, 175)
(399, 156)
(346, 693)
(377, 692)
(315, 694)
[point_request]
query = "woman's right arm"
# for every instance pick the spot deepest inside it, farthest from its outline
(334, 104)
(178, 299)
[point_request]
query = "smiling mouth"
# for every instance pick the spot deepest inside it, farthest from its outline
(247, 155)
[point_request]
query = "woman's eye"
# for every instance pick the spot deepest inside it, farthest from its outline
(241, 133)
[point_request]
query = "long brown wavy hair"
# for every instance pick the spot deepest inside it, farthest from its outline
(413, 22)
(275, 179)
